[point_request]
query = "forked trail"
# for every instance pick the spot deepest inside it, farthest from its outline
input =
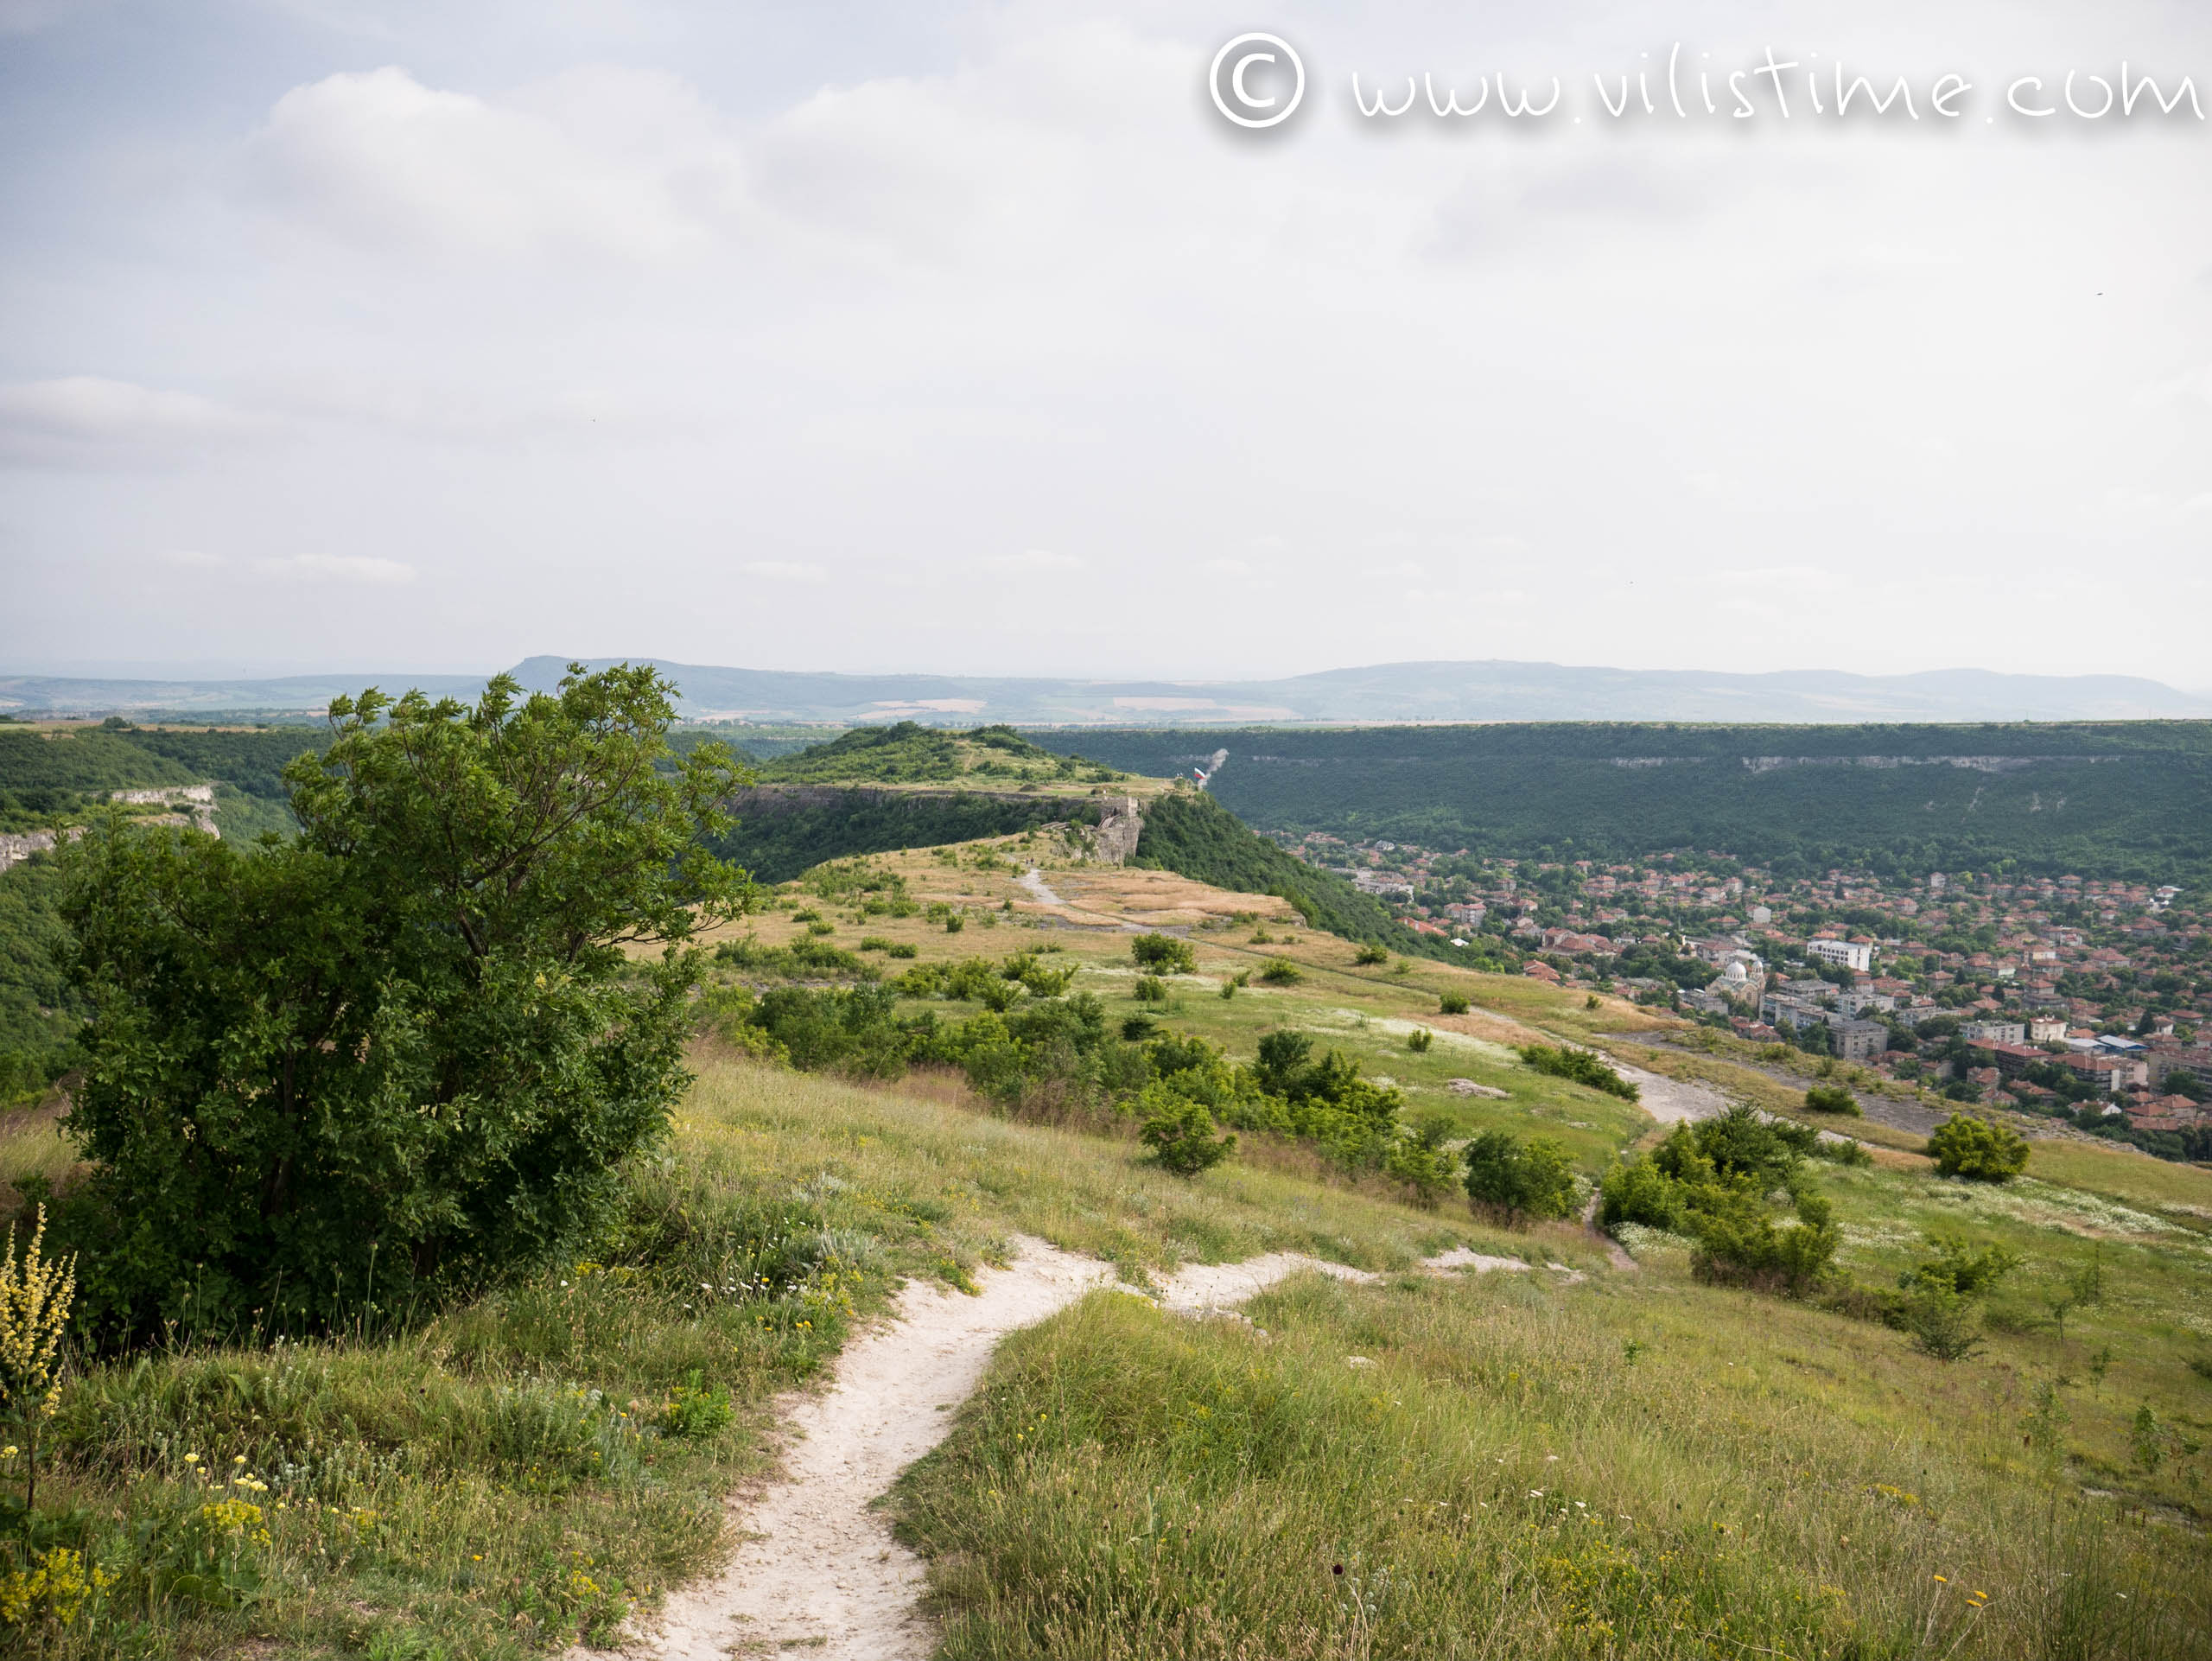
(817, 1572)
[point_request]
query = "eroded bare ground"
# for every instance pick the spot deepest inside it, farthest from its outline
(817, 1571)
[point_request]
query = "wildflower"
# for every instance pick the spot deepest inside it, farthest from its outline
(1940, 1580)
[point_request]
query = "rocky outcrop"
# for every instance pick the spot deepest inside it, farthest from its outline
(14, 850)
(1121, 821)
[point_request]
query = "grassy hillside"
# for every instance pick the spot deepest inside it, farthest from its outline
(1634, 1462)
(2130, 800)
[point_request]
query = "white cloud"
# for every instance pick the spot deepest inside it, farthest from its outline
(87, 421)
(618, 161)
(340, 568)
(784, 570)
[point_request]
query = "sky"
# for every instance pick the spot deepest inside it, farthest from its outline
(974, 338)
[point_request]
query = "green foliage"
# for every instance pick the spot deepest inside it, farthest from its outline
(1710, 1181)
(780, 836)
(1419, 1040)
(1280, 972)
(1150, 989)
(909, 753)
(1518, 1180)
(1368, 955)
(1943, 1323)
(1179, 1131)
(1193, 835)
(1164, 954)
(1420, 1160)
(1582, 1066)
(40, 1011)
(1637, 1190)
(1979, 1150)
(1955, 1267)
(1831, 1098)
(696, 1410)
(406, 1051)
(1452, 1003)
(2139, 795)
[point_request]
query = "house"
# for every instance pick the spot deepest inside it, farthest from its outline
(1543, 971)
(1994, 1032)
(2046, 1029)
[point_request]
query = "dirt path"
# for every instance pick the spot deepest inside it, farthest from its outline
(817, 1572)
(1041, 890)
(1671, 1101)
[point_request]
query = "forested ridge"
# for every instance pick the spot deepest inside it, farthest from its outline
(2130, 800)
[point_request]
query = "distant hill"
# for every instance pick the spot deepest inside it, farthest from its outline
(1381, 693)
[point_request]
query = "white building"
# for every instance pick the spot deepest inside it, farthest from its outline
(1852, 954)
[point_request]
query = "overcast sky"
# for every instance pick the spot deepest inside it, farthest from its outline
(368, 334)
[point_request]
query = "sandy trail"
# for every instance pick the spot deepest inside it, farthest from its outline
(817, 1571)
(1671, 1101)
(1040, 889)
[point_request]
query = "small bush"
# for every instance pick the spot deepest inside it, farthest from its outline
(1179, 1131)
(1956, 1268)
(1419, 1040)
(953, 925)
(1228, 990)
(1942, 1323)
(902, 949)
(874, 943)
(1831, 1098)
(1150, 989)
(1579, 1066)
(693, 1409)
(1636, 1190)
(1978, 1149)
(1516, 1180)
(1164, 954)
(1137, 1028)
(1370, 954)
(1280, 972)
(1452, 1003)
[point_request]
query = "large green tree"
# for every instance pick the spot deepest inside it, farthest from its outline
(411, 1046)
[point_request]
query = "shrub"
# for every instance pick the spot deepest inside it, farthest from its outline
(1370, 954)
(1978, 1149)
(410, 1037)
(953, 925)
(1150, 989)
(1518, 1180)
(1942, 1323)
(1955, 1267)
(1419, 1040)
(1738, 1243)
(1280, 972)
(1831, 1098)
(1637, 1190)
(1580, 1067)
(1452, 1003)
(874, 943)
(1418, 1159)
(1179, 1131)
(1164, 954)
(1228, 990)
(901, 949)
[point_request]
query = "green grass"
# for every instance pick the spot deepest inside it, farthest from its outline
(1631, 1466)
(499, 1481)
